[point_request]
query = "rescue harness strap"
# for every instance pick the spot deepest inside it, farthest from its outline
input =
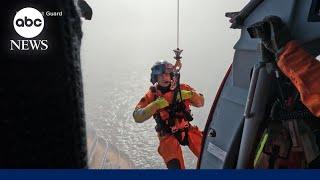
(165, 126)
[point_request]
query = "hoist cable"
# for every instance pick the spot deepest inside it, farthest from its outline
(178, 14)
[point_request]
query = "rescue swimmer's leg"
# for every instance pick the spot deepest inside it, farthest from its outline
(170, 150)
(195, 140)
(173, 164)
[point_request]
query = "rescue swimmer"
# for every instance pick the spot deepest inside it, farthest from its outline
(169, 103)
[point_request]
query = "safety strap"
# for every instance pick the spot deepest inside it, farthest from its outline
(173, 109)
(261, 145)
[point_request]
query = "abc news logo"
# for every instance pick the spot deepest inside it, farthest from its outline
(28, 23)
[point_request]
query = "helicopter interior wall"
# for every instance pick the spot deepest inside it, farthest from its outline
(229, 113)
(303, 29)
(314, 14)
(226, 119)
(243, 63)
(216, 149)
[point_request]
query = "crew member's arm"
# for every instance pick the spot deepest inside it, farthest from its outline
(299, 66)
(146, 108)
(304, 72)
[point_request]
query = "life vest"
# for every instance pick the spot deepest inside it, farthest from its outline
(173, 123)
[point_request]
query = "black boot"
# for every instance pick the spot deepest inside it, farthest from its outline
(173, 164)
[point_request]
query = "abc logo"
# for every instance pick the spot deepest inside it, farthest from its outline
(28, 22)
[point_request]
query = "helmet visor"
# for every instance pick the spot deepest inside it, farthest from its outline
(162, 68)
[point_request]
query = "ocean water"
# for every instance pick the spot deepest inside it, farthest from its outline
(119, 46)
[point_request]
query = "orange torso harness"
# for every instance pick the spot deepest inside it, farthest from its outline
(169, 122)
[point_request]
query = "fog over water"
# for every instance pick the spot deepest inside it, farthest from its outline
(120, 44)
